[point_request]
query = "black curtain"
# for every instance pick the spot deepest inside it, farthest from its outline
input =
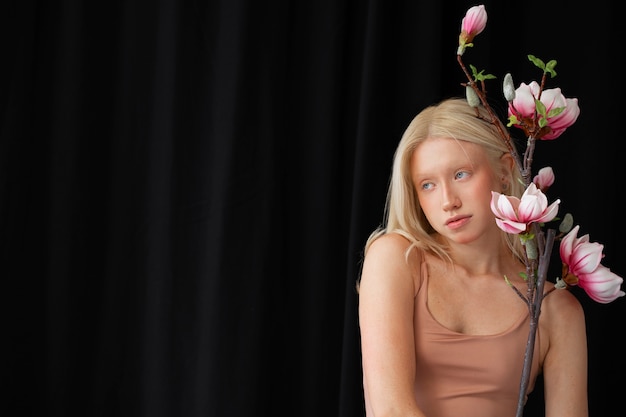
(186, 188)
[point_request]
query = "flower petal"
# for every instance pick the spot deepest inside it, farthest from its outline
(602, 285)
(510, 226)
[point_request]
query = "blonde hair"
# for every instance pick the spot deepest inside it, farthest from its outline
(451, 118)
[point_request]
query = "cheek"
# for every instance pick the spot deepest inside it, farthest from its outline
(430, 205)
(489, 184)
(425, 200)
(480, 193)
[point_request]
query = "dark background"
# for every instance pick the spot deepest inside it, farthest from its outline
(186, 187)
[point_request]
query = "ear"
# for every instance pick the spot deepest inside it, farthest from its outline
(508, 164)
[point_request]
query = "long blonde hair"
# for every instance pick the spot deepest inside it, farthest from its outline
(451, 118)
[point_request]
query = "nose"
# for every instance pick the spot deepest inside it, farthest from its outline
(449, 199)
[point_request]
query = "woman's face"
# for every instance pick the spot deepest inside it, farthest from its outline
(454, 180)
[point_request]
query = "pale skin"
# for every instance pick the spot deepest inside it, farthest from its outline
(471, 297)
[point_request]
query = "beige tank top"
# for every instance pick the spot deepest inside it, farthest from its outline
(468, 375)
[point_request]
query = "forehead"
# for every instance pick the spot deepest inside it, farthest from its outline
(439, 153)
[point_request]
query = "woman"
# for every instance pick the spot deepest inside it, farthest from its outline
(442, 334)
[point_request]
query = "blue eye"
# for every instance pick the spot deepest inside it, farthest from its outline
(427, 186)
(461, 174)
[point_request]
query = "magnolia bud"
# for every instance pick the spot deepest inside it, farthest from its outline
(471, 96)
(531, 248)
(508, 87)
(566, 223)
(560, 284)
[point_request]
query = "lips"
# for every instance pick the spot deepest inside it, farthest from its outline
(457, 221)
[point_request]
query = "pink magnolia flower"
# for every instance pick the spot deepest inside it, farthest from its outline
(581, 266)
(473, 23)
(513, 215)
(544, 178)
(523, 108)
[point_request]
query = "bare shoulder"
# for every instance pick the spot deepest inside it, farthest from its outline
(560, 304)
(562, 317)
(386, 263)
(391, 250)
(389, 244)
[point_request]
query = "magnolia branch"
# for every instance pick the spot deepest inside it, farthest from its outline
(494, 120)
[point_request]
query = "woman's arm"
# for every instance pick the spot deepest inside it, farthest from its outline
(386, 307)
(565, 363)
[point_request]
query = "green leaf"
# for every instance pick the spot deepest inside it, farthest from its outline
(479, 76)
(538, 62)
(555, 111)
(546, 68)
(540, 107)
(550, 68)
